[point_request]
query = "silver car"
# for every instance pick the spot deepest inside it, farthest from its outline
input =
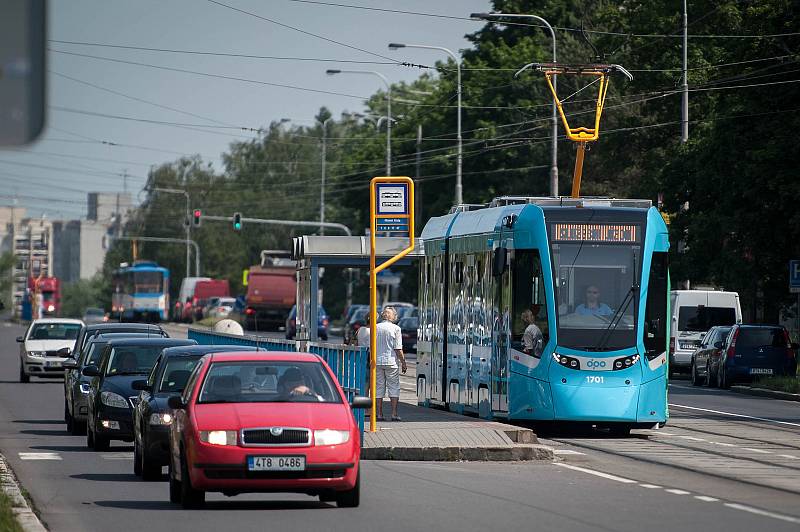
(47, 343)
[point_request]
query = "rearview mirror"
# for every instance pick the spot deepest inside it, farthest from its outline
(140, 385)
(64, 352)
(175, 402)
(69, 363)
(91, 371)
(361, 402)
(499, 261)
(20, 339)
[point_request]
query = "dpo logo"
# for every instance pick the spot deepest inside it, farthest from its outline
(595, 364)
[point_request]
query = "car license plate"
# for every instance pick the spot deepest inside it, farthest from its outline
(276, 463)
(760, 371)
(52, 363)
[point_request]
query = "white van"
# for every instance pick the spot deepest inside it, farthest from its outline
(185, 294)
(694, 312)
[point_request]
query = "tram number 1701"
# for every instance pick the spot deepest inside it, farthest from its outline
(594, 379)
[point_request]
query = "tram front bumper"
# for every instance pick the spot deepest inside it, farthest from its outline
(585, 400)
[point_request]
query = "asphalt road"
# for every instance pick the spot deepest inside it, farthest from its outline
(600, 489)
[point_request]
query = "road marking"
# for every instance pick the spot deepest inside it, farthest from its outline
(678, 492)
(567, 451)
(39, 456)
(789, 456)
(117, 456)
(597, 473)
(736, 415)
(650, 486)
(765, 513)
(705, 498)
(692, 438)
(724, 444)
(756, 450)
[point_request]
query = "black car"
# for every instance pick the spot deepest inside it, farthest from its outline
(408, 327)
(77, 385)
(705, 360)
(111, 395)
(151, 416)
(89, 331)
(754, 351)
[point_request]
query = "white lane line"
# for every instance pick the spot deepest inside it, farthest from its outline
(650, 486)
(789, 456)
(597, 473)
(736, 415)
(724, 444)
(678, 492)
(756, 450)
(567, 451)
(705, 498)
(39, 456)
(692, 438)
(765, 513)
(117, 456)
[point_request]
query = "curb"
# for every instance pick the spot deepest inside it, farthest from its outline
(454, 454)
(25, 516)
(763, 392)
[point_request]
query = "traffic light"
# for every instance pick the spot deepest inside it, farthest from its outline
(237, 221)
(196, 217)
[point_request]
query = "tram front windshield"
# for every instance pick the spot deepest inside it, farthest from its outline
(595, 301)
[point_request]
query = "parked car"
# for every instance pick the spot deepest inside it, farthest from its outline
(349, 311)
(408, 328)
(753, 351)
(110, 327)
(322, 323)
(77, 385)
(705, 360)
(45, 346)
(94, 315)
(226, 438)
(152, 416)
(222, 308)
(111, 395)
(357, 320)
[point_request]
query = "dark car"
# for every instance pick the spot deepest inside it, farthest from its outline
(151, 416)
(76, 385)
(356, 321)
(705, 359)
(111, 394)
(89, 331)
(322, 323)
(408, 328)
(753, 351)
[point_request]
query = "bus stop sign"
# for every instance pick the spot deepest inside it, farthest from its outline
(794, 276)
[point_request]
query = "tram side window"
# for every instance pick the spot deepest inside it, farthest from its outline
(529, 294)
(655, 317)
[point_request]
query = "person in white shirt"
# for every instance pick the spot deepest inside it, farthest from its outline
(362, 336)
(388, 352)
(532, 339)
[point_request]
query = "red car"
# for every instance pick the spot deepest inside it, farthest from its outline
(264, 422)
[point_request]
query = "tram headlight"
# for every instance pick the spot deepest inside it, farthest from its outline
(573, 363)
(617, 364)
(626, 362)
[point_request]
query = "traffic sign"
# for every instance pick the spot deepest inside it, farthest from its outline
(794, 276)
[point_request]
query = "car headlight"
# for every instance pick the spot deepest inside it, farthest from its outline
(113, 399)
(86, 387)
(37, 353)
(161, 419)
(331, 437)
(218, 437)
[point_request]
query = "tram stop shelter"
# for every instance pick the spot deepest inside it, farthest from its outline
(313, 252)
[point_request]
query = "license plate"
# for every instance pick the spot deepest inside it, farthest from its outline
(760, 371)
(276, 463)
(52, 364)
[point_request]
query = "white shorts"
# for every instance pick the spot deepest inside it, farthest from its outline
(387, 377)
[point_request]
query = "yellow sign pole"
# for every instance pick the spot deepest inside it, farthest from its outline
(391, 209)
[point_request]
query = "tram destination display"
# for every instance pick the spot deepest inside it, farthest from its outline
(610, 233)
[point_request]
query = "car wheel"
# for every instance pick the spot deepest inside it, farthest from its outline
(724, 383)
(707, 381)
(137, 459)
(89, 436)
(150, 471)
(101, 443)
(695, 378)
(23, 377)
(190, 497)
(174, 487)
(350, 498)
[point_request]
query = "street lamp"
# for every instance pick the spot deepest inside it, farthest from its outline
(332, 72)
(187, 221)
(554, 154)
(394, 46)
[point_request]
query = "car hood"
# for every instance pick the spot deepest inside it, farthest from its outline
(235, 416)
(48, 345)
(121, 384)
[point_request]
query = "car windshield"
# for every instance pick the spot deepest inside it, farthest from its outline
(176, 373)
(701, 319)
(132, 360)
(268, 381)
(760, 337)
(55, 331)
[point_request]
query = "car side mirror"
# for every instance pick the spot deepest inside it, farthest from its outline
(64, 352)
(718, 345)
(361, 402)
(499, 261)
(69, 363)
(140, 385)
(91, 371)
(20, 339)
(175, 402)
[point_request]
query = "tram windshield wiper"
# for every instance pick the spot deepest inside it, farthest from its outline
(620, 312)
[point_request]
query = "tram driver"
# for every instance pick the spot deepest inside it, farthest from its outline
(592, 305)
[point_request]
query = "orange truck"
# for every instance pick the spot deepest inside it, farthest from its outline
(271, 293)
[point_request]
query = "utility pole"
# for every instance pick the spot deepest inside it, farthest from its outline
(322, 185)
(417, 174)
(685, 84)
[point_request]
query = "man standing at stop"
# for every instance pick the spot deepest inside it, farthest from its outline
(388, 352)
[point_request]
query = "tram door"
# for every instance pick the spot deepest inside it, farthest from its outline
(438, 321)
(501, 329)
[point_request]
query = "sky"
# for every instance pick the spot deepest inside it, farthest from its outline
(81, 151)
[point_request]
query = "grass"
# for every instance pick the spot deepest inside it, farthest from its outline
(781, 384)
(8, 523)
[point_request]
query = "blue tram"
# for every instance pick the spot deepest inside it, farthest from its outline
(594, 275)
(140, 292)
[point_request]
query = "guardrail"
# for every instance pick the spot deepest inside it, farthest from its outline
(348, 363)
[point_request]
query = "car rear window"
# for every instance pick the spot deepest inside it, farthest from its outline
(176, 373)
(268, 381)
(132, 360)
(700, 319)
(761, 337)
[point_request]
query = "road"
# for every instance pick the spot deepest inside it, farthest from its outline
(601, 484)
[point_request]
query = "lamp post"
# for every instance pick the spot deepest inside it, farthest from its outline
(459, 199)
(554, 150)
(332, 72)
(186, 222)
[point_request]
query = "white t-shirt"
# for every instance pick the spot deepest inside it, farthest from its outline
(532, 340)
(388, 338)
(362, 337)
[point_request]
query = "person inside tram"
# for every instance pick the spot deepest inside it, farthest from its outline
(592, 305)
(532, 339)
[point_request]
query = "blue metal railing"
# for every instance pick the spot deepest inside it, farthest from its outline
(348, 363)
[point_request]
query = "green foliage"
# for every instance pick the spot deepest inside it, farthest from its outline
(8, 522)
(78, 296)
